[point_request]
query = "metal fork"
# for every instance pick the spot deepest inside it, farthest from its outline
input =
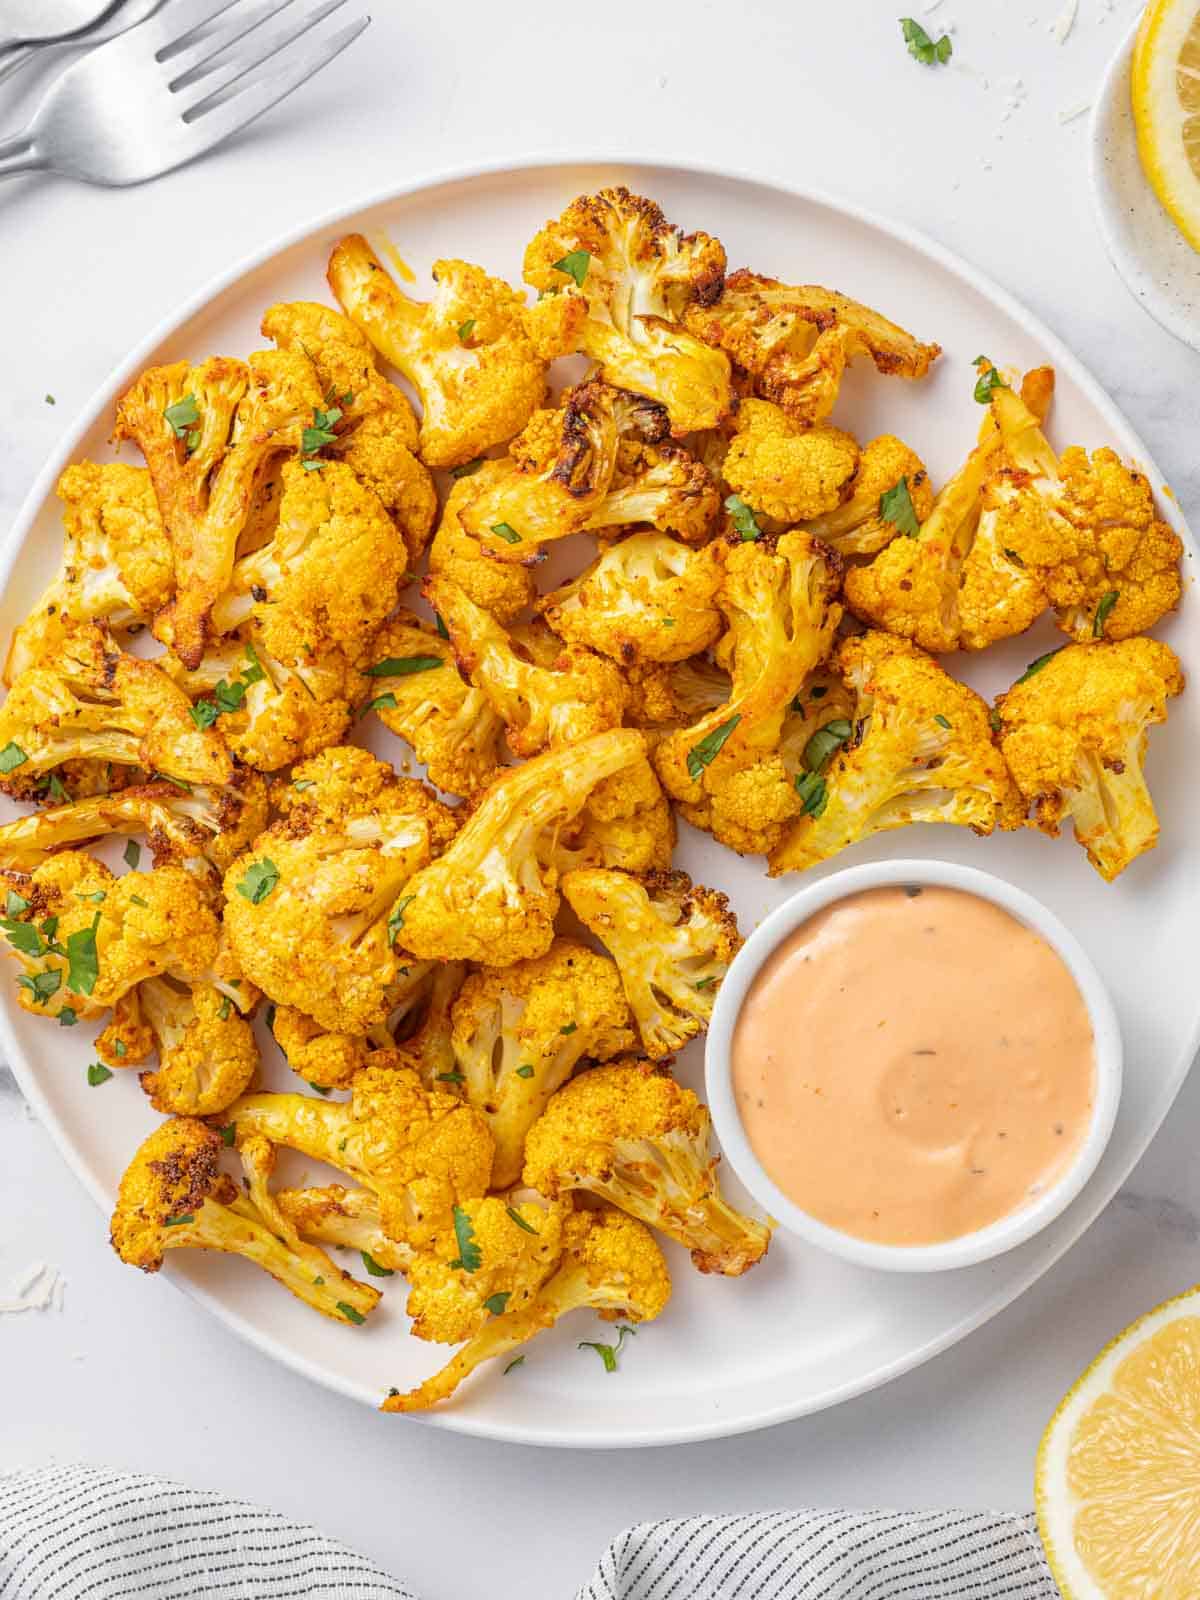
(171, 88)
(125, 16)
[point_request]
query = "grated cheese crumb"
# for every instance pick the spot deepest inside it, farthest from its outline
(1061, 27)
(1070, 113)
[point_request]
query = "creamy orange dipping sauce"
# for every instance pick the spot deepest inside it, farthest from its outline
(913, 1064)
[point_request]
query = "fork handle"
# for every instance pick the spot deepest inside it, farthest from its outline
(20, 154)
(14, 59)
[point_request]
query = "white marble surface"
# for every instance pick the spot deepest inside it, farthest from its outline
(131, 1374)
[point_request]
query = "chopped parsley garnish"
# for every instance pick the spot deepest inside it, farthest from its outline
(320, 1088)
(15, 903)
(518, 1361)
(465, 330)
(320, 432)
(67, 1017)
(825, 743)
(995, 721)
(515, 1216)
(178, 1222)
(183, 416)
(988, 381)
(12, 757)
(468, 468)
(525, 1072)
(96, 899)
(896, 507)
(381, 702)
(50, 400)
(495, 1303)
(225, 1008)
(568, 1027)
(504, 531)
(228, 1134)
(254, 672)
(259, 879)
(575, 265)
(1013, 557)
(119, 1050)
(133, 854)
(608, 1353)
(1103, 612)
(404, 666)
(178, 782)
(23, 936)
(83, 962)
(442, 631)
(138, 901)
(470, 1256)
(396, 921)
(1036, 666)
(56, 789)
(350, 1314)
(373, 1267)
(705, 983)
(703, 754)
(450, 1077)
(814, 796)
(943, 722)
(303, 783)
(98, 1074)
(929, 52)
(744, 519)
(42, 985)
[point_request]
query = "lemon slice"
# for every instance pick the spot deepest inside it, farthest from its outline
(1166, 108)
(1118, 1470)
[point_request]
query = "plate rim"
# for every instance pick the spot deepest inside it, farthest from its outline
(1096, 1196)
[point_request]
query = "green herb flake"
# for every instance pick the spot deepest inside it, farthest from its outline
(943, 722)
(373, 1267)
(179, 784)
(322, 1089)
(495, 1303)
(668, 622)
(133, 854)
(138, 901)
(608, 1353)
(929, 52)
(988, 382)
(814, 796)
(470, 1256)
(12, 757)
(995, 721)
(575, 265)
(743, 517)
(23, 936)
(381, 702)
(468, 468)
(465, 330)
(50, 400)
(182, 416)
(83, 961)
(450, 1077)
(96, 899)
(896, 507)
(179, 1221)
(67, 1017)
(320, 432)
(1013, 557)
(504, 531)
(568, 1027)
(350, 1314)
(825, 743)
(204, 713)
(15, 903)
(259, 879)
(705, 983)
(515, 1216)
(98, 1074)
(57, 789)
(396, 920)
(318, 1282)
(254, 672)
(404, 666)
(302, 783)
(442, 631)
(1103, 612)
(119, 1050)
(525, 1072)
(228, 1134)
(519, 1361)
(702, 755)
(43, 986)
(225, 1008)
(1035, 667)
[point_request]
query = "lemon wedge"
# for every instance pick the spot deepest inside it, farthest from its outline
(1118, 1470)
(1166, 108)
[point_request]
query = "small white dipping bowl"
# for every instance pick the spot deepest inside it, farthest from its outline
(968, 1248)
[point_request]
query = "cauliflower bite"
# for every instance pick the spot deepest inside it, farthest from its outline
(420, 696)
(476, 353)
(174, 1196)
(347, 782)
(1073, 732)
(84, 938)
(420, 1154)
(379, 438)
(326, 1059)
(889, 479)
(919, 750)
(575, 695)
(349, 1218)
(795, 342)
(626, 823)
(116, 564)
(680, 692)
(504, 589)
(207, 433)
(88, 699)
(609, 1264)
(493, 896)
(672, 943)
(313, 910)
(207, 1056)
(518, 1032)
(631, 1135)
(785, 470)
(647, 598)
(637, 275)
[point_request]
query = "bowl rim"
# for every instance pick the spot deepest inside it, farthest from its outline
(970, 1248)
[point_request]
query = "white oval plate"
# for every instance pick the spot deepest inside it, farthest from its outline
(803, 1330)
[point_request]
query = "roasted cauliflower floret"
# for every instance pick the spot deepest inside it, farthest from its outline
(681, 692)
(542, 706)
(609, 1264)
(647, 598)
(784, 470)
(626, 823)
(476, 353)
(116, 565)
(889, 491)
(637, 275)
(796, 341)
(634, 1137)
(1073, 732)
(518, 1033)
(207, 1056)
(920, 750)
(492, 897)
(329, 1060)
(88, 699)
(349, 1218)
(175, 1196)
(377, 438)
(501, 587)
(420, 1154)
(419, 695)
(347, 782)
(672, 944)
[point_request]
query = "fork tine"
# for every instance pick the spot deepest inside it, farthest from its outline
(208, 81)
(234, 21)
(171, 28)
(209, 122)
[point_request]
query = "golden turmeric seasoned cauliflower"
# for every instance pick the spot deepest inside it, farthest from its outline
(518, 1033)
(672, 942)
(377, 438)
(500, 587)
(576, 694)
(1073, 732)
(785, 470)
(889, 491)
(646, 598)
(207, 1056)
(637, 275)
(175, 1196)
(316, 1054)
(626, 823)
(116, 564)
(919, 749)
(796, 341)
(493, 896)
(609, 1264)
(631, 1135)
(349, 1218)
(419, 694)
(421, 1154)
(678, 692)
(476, 353)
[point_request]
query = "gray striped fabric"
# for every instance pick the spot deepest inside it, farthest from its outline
(84, 1533)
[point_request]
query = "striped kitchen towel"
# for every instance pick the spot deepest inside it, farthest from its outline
(71, 1532)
